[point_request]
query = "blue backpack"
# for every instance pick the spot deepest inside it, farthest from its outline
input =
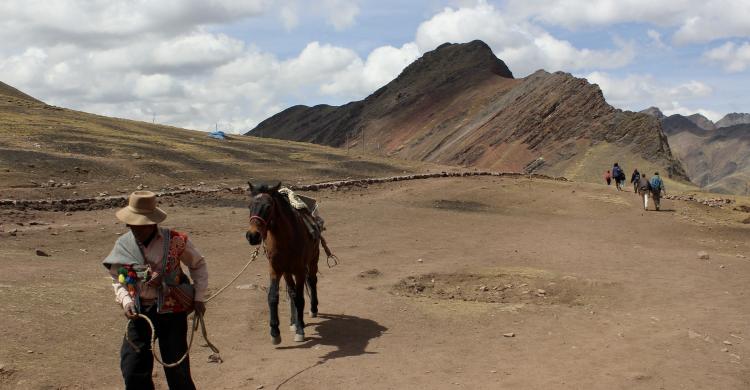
(656, 183)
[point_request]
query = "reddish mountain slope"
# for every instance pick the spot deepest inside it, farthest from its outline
(459, 104)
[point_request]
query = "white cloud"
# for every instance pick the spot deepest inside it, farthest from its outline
(734, 58)
(97, 23)
(341, 14)
(656, 40)
(523, 46)
(696, 21)
(636, 92)
(382, 65)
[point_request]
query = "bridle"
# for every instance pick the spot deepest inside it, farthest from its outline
(263, 223)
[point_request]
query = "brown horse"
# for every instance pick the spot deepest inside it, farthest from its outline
(292, 253)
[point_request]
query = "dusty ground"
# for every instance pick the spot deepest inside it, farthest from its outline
(614, 297)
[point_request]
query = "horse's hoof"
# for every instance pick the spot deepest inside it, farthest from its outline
(299, 338)
(292, 328)
(276, 340)
(314, 314)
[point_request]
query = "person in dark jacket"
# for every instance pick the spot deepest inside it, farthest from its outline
(634, 178)
(644, 189)
(657, 187)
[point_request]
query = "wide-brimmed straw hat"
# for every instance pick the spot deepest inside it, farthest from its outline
(141, 210)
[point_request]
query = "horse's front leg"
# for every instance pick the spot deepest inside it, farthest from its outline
(273, 308)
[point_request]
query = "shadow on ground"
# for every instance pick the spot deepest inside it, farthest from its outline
(349, 334)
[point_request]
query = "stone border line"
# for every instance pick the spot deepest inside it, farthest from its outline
(108, 202)
(116, 201)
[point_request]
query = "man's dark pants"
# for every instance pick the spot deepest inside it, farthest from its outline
(656, 194)
(171, 331)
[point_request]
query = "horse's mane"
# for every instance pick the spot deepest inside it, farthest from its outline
(286, 207)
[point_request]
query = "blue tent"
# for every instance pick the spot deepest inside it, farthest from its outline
(217, 135)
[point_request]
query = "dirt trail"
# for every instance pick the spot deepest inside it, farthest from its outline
(626, 303)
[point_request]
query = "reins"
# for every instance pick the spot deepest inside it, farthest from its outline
(198, 321)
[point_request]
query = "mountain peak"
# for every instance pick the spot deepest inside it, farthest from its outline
(702, 122)
(655, 112)
(469, 59)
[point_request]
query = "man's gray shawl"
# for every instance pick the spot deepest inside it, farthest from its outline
(126, 251)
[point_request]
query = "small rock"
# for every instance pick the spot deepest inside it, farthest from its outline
(419, 260)
(493, 371)
(727, 342)
(724, 350)
(722, 266)
(483, 288)
(258, 387)
(42, 253)
(694, 335)
(541, 291)
(739, 256)
(30, 351)
(703, 255)
(734, 355)
(246, 287)
(511, 334)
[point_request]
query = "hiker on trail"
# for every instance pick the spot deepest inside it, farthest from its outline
(657, 187)
(145, 265)
(618, 175)
(634, 178)
(608, 177)
(644, 189)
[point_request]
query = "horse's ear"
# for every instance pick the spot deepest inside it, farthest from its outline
(275, 188)
(250, 187)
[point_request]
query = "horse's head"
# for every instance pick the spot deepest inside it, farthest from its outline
(261, 208)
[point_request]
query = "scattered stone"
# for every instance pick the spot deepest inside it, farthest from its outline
(258, 387)
(370, 273)
(694, 335)
(739, 256)
(419, 260)
(734, 355)
(511, 334)
(42, 253)
(541, 291)
(727, 342)
(737, 337)
(139, 187)
(703, 255)
(247, 287)
(13, 232)
(722, 266)
(483, 288)
(725, 350)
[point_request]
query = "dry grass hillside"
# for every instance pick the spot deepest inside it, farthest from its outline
(48, 151)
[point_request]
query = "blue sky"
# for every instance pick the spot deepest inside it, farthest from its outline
(194, 63)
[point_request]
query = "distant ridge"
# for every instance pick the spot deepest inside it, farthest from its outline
(7, 90)
(734, 118)
(717, 158)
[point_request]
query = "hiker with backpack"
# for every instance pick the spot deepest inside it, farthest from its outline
(619, 176)
(634, 178)
(657, 187)
(644, 189)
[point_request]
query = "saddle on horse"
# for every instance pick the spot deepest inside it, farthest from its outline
(307, 209)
